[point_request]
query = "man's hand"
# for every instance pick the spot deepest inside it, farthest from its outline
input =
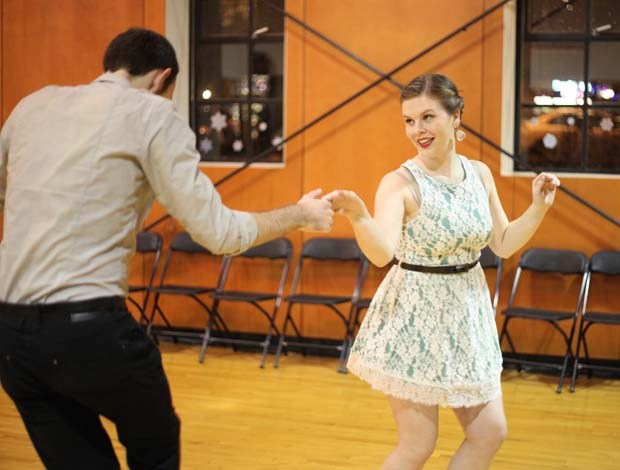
(318, 215)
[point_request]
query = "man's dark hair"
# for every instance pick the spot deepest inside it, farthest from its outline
(139, 51)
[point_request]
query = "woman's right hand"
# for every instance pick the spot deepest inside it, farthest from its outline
(347, 203)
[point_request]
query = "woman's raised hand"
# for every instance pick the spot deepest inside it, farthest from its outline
(543, 189)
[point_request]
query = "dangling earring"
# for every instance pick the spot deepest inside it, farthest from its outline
(460, 135)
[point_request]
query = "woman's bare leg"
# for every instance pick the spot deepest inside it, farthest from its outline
(417, 433)
(485, 430)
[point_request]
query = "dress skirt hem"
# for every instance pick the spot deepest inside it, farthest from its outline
(465, 396)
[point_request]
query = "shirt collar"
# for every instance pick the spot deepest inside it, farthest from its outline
(109, 77)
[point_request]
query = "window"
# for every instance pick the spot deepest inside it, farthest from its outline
(568, 97)
(237, 79)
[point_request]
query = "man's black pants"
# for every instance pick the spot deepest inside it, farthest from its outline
(65, 364)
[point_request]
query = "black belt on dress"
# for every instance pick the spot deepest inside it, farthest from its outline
(461, 268)
(78, 311)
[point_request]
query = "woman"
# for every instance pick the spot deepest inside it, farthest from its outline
(429, 337)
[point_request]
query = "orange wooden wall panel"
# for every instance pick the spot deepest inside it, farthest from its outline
(155, 15)
(60, 42)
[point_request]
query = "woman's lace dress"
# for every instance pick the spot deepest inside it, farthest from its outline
(427, 337)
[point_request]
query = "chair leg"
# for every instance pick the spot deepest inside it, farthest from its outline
(504, 332)
(149, 325)
(281, 342)
(276, 361)
(580, 338)
(205, 341)
(266, 347)
(585, 348)
(563, 373)
(587, 354)
(342, 368)
(346, 359)
(143, 318)
(574, 377)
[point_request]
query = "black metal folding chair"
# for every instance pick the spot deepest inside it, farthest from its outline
(489, 260)
(276, 251)
(324, 250)
(147, 243)
(183, 245)
(604, 264)
(548, 262)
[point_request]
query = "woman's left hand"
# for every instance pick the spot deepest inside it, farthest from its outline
(543, 190)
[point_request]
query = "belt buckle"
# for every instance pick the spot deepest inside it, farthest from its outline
(460, 268)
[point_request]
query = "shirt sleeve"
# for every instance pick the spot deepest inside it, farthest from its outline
(171, 165)
(5, 138)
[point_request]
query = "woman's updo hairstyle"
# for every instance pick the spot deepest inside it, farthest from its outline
(436, 86)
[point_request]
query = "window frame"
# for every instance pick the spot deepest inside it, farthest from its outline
(514, 39)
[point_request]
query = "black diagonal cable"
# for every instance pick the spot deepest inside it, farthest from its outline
(374, 69)
(351, 98)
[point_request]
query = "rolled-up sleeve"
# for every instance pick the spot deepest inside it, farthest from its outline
(171, 165)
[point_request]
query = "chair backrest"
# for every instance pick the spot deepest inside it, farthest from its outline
(488, 259)
(183, 243)
(278, 248)
(554, 261)
(545, 260)
(148, 242)
(333, 249)
(343, 249)
(605, 262)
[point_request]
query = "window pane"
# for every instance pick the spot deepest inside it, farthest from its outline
(605, 17)
(604, 139)
(552, 73)
(220, 132)
(223, 17)
(605, 71)
(266, 123)
(268, 68)
(551, 137)
(265, 16)
(221, 71)
(556, 16)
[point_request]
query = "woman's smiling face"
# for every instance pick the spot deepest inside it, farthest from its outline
(429, 126)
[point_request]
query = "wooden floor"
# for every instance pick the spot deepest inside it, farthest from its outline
(305, 416)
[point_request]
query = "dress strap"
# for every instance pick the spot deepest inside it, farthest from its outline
(412, 183)
(473, 172)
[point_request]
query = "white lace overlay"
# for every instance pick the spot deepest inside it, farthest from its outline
(431, 338)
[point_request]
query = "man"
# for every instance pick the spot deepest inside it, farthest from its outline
(78, 170)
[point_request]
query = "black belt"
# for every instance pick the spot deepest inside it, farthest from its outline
(461, 268)
(78, 311)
